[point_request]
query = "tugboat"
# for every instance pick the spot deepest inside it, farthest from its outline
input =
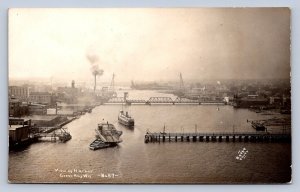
(125, 119)
(106, 136)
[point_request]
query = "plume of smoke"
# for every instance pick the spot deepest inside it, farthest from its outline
(94, 61)
(96, 71)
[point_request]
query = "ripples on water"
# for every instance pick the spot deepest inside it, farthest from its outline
(133, 161)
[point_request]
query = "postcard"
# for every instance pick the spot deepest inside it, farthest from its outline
(149, 95)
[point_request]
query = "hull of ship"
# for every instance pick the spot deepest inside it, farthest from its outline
(108, 134)
(126, 123)
(99, 144)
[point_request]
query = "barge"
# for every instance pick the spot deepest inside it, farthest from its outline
(106, 136)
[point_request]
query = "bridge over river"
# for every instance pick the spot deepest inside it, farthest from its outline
(162, 100)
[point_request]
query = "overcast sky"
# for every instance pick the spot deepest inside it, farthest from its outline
(149, 44)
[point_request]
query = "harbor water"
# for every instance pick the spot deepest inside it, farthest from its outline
(133, 161)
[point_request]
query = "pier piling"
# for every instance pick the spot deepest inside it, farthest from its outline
(201, 138)
(227, 138)
(220, 138)
(194, 138)
(246, 137)
(207, 138)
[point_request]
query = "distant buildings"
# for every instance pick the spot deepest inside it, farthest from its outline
(19, 92)
(68, 94)
(37, 109)
(250, 101)
(22, 102)
(13, 107)
(17, 108)
(40, 97)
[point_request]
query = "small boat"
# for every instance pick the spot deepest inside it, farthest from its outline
(164, 132)
(98, 144)
(125, 119)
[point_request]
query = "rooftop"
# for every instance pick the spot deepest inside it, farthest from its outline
(14, 127)
(40, 93)
(20, 119)
(42, 117)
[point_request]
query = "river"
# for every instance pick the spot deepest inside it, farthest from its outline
(133, 161)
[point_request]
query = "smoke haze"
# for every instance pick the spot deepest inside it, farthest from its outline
(150, 44)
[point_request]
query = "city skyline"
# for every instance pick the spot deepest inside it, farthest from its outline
(150, 44)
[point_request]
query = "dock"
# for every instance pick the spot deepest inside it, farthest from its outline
(217, 137)
(53, 133)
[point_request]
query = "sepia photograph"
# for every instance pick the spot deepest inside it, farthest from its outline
(149, 95)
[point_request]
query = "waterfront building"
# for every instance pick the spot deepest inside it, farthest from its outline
(13, 106)
(16, 108)
(18, 130)
(37, 109)
(250, 101)
(47, 120)
(40, 97)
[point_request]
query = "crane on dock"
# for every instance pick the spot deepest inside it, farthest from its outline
(111, 89)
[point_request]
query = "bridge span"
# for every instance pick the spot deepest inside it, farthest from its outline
(162, 100)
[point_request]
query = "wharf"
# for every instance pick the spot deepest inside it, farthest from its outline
(61, 134)
(215, 136)
(54, 133)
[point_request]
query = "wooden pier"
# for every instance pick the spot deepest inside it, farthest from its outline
(217, 137)
(53, 134)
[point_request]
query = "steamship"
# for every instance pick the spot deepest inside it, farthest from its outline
(125, 119)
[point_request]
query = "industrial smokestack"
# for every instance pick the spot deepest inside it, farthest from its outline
(94, 68)
(96, 71)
